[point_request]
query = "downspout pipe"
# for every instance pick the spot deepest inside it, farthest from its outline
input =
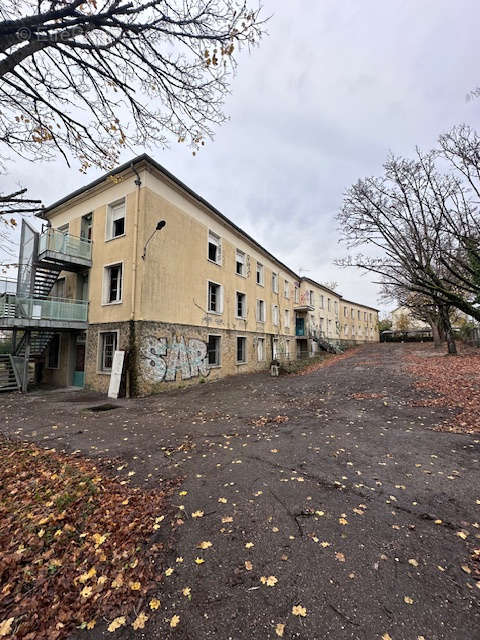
(131, 385)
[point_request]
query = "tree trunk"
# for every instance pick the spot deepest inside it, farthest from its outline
(447, 327)
(437, 339)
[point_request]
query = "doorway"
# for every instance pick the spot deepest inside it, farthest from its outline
(79, 355)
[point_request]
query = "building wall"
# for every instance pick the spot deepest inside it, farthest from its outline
(163, 311)
(61, 376)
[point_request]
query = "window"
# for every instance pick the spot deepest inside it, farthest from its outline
(352, 313)
(345, 311)
(275, 282)
(108, 345)
(297, 294)
(311, 298)
(321, 302)
(116, 220)
(86, 227)
(260, 311)
(113, 284)
(370, 315)
(358, 315)
(215, 298)
(286, 289)
(275, 314)
(241, 305)
(260, 274)
(287, 318)
(214, 248)
(346, 329)
(260, 349)
(240, 263)
(275, 348)
(364, 316)
(241, 349)
(213, 351)
(329, 304)
(287, 348)
(321, 324)
(53, 357)
(336, 307)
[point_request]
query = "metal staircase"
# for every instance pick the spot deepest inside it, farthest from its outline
(327, 346)
(39, 341)
(46, 274)
(8, 377)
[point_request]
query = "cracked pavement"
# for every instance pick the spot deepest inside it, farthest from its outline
(353, 504)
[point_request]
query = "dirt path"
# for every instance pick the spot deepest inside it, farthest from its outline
(352, 503)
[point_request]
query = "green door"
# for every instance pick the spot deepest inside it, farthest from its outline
(79, 371)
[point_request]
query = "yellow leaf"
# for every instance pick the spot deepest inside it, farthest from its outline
(98, 539)
(340, 556)
(227, 519)
(413, 562)
(179, 559)
(134, 586)
(319, 513)
(222, 500)
(116, 624)
(183, 493)
(86, 576)
(248, 565)
(91, 624)
(343, 521)
(460, 534)
(154, 604)
(279, 629)
(41, 533)
(169, 571)
(271, 581)
(6, 627)
(174, 621)
(199, 560)
(408, 600)
(466, 569)
(325, 544)
(206, 544)
(118, 581)
(249, 545)
(196, 514)
(298, 610)
(186, 591)
(139, 622)
(386, 636)
(86, 592)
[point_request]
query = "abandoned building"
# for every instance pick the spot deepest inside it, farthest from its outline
(137, 261)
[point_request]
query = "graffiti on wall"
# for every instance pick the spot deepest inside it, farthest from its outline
(162, 360)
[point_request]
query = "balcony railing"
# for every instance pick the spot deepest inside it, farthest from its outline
(60, 309)
(64, 244)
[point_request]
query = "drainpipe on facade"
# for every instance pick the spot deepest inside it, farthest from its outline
(130, 391)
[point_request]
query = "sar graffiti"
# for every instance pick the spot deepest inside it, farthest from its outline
(162, 360)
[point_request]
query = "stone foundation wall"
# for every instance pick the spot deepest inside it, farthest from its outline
(164, 355)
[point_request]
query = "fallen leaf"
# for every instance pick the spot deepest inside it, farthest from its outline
(174, 621)
(6, 627)
(139, 622)
(340, 557)
(169, 571)
(298, 610)
(199, 560)
(248, 565)
(249, 545)
(186, 591)
(279, 629)
(271, 581)
(196, 514)
(413, 562)
(154, 603)
(408, 600)
(116, 624)
(206, 544)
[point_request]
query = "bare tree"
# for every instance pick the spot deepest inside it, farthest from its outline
(410, 222)
(86, 78)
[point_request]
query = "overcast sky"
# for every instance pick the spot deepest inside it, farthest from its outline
(333, 87)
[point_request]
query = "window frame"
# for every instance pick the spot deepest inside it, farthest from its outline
(218, 262)
(260, 270)
(261, 341)
(218, 364)
(107, 282)
(109, 219)
(218, 284)
(244, 316)
(100, 349)
(257, 308)
(286, 289)
(286, 314)
(274, 282)
(275, 315)
(244, 338)
(243, 255)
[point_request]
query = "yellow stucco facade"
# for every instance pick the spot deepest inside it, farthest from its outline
(200, 286)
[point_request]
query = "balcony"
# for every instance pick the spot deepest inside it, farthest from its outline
(68, 251)
(53, 313)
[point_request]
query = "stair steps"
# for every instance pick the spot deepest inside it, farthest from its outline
(8, 379)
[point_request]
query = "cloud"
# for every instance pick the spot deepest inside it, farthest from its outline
(330, 90)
